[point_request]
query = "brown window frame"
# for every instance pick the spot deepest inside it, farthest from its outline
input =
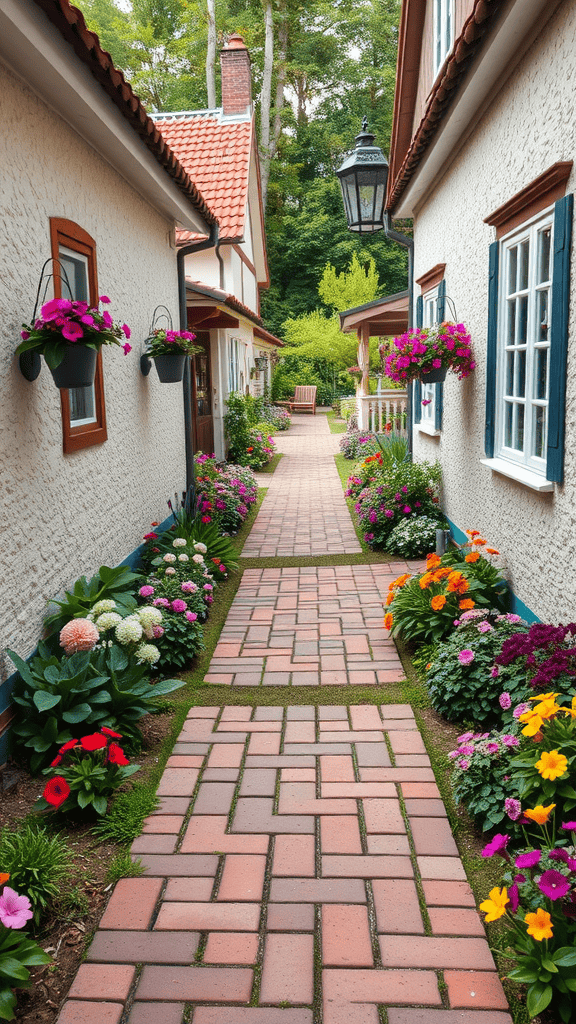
(72, 236)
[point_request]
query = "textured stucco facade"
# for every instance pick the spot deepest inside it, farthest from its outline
(529, 125)
(64, 515)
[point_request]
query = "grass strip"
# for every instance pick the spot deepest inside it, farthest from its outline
(335, 423)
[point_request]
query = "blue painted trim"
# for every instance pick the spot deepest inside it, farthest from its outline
(133, 558)
(516, 605)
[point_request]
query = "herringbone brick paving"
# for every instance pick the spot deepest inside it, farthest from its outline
(300, 868)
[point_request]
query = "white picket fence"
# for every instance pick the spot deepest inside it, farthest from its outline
(376, 411)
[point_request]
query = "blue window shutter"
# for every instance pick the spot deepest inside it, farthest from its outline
(559, 337)
(492, 340)
(439, 398)
(417, 392)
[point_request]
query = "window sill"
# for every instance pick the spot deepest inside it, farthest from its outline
(519, 474)
(424, 428)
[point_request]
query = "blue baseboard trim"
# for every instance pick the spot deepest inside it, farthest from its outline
(516, 605)
(7, 686)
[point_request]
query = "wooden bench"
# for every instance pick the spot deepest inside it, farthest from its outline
(304, 399)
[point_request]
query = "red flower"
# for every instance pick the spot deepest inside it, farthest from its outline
(206, 519)
(56, 791)
(154, 524)
(116, 754)
(68, 746)
(93, 742)
(216, 561)
(108, 732)
(155, 550)
(56, 761)
(150, 536)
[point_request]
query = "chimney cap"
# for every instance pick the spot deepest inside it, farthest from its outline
(235, 42)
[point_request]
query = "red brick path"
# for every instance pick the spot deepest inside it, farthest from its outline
(317, 869)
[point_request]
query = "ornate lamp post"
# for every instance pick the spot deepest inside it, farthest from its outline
(363, 177)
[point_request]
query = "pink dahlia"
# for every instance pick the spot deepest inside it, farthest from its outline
(79, 635)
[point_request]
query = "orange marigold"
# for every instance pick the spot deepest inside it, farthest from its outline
(479, 540)
(426, 580)
(438, 602)
(388, 620)
(492, 551)
(466, 604)
(472, 557)
(400, 581)
(473, 533)
(389, 599)
(432, 561)
(442, 573)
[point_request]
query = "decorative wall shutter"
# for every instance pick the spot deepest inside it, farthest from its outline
(417, 387)
(491, 350)
(439, 403)
(563, 211)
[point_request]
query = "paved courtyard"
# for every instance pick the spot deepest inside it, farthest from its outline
(300, 868)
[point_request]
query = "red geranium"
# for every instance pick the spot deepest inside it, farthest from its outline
(116, 755)
(150, 536)
(68, 746)
(93, 742)
(56, 791)
(108, 732)
(56, 761)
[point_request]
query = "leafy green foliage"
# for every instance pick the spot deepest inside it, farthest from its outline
(247, 445)
(180, 643)
(131, 694)
(124, 821)
(414, 537)
(36, 861)
(117, 584)
(388, 492)
(122, 866)
(17, 953)
(469, 692)
(481, 776)
(83, 776)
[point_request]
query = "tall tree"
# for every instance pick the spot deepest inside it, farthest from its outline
(211, 55)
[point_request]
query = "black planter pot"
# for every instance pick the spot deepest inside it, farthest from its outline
(77, 369)
(434, 376)
(170, 367)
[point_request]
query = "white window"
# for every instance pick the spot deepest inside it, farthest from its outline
(233, 368)
(524, 344)
(428, 391)
(443, 31)
(75, 285)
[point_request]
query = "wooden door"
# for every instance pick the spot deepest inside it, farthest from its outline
(202, 396)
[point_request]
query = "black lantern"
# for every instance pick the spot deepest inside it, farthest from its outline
(363, 177)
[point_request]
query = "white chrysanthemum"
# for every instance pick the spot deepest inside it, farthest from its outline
(201, 548)
(198, 559)
(169, 557)
(147, 653)
(103, 606)
(149, 616)
(107, 621)
(179, 542)
(183, 558)
(170, 571)
(129, 630)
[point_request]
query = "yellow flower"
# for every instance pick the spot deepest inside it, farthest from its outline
(571, 711)
(495, 906)
(533, 723)
(540, 814)
(552, 765)
(545, 696)
(539, 924)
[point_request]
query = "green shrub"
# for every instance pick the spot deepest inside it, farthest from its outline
(481, 777)
(415, 536)
(37, 863)
(388, 492)
(460, 680)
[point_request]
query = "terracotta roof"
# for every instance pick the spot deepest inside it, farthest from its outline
(216, 153)
(446, 86)
(70, 22)
(382, 317)
(224, 298)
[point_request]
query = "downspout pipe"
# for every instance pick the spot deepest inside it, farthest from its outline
(408, 244)
(183, 252)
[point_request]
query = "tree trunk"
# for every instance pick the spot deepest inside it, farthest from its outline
(211, 55)
(266, 98)
(278, 104)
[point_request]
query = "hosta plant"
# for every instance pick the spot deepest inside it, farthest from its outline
(17, 951)
(118, 584)
(85, 773)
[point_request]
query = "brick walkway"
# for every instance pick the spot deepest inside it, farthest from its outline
(300, 868)
(304, 511)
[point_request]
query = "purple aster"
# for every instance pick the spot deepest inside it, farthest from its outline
(528, 860)
(553, 884)
(496, 845)
(513, 808)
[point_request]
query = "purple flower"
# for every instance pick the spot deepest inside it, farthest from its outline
(104, 298)
(561, 854)
(521, 710)
(157, 632)
(513, 808)
(484, 627)
(406, 510)
(510, 741)
(464, 764)
(208, 586)
(495, 672)
(493, 748)
(528, 860)
(466, 657)
(405, 489)
(570, 825)
(14, 909)
(496, 845)
(146, 591)
(505, 701)
(514, 898)
(553, 884)
(191, 616)
(465, 737)
(161, 602)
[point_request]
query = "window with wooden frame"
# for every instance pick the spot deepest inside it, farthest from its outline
(76, 277)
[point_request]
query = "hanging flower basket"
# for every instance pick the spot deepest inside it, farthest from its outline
(170, 367)
(427, 353)
(77, 369)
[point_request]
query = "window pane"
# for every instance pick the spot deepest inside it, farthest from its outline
(511, 334)
(509, 390)
(543, 325)
(522, 320)
(82, 405)
(521, 373)
(512, 269)
(524, 263)
(519, 445)
(509, 414)
(541, 375)
(544, 238)
(539, 431)
(73, 275)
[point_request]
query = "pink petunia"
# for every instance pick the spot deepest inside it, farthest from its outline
(126, 330)
(126, 348)
(528, 860)
(14, 909)
(553, 884)
(497, 845)
(72, 331)
(104, 298)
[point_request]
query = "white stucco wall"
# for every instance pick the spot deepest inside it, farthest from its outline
(64, 515)
(529, 126)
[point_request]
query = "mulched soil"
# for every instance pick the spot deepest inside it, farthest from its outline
(67, 932)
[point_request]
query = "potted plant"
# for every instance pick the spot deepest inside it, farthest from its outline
(427, 353)
(69, 335)
(169, 349)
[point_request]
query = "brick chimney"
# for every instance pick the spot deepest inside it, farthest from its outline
(236, 77)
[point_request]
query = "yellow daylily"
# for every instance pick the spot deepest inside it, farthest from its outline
(495, 906)
(539, 814)
(552, 765)
(539, 924)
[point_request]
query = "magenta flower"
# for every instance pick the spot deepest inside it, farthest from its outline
(157, 632)
(465, 737)
(513, 808)
(492, 748)
(528, 860)
(72, 331)
(126, 330)
(161, 602)
(496, 845)
(188, 587)
(570, 825)
(464, 764)
(146, 591)
(127, 348)
(104, 298)
(553, 884)
(561, 854)
(191, 616)
(208, 586)
(466, 657)
(510, 741)
(179, 605)
(505, 701)
(495, 672)
(14, 909)
(467, 749)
